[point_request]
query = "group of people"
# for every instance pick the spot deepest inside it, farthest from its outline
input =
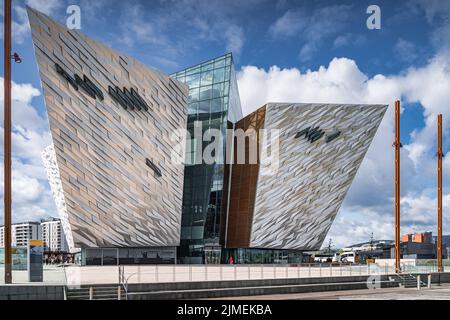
(57, 259)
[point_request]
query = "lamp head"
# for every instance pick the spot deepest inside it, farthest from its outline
(16, 58)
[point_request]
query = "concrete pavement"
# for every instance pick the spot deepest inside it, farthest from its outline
(435, 293)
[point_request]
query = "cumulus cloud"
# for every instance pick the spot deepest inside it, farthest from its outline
(31, 195)
(343, 82)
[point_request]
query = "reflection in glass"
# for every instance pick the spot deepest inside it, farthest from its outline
(206, 93)
(204, 184)
(193, 81)
(204, 106)
(194, 95)
(207, 78)
(109, 257)
(219, 75)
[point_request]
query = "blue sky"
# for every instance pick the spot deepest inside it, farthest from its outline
(289, 51)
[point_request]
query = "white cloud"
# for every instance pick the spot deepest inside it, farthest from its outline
(31, 195)
(178, 26)
(46, 6)
(24, 115)
(406, 50)
(137, 28)
(312, 28)
(289, 24)
(20, 24)
(235, 39)
(348, 39)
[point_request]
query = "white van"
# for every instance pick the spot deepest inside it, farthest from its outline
(349, 257)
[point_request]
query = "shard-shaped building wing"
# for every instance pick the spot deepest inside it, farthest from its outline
(112, 121)
(289, 199)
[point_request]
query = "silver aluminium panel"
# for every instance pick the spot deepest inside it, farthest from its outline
(321, 148)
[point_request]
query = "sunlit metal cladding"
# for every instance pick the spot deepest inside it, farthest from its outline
(295, 199)
(107, 191)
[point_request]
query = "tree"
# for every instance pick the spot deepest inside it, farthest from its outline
(330, 246)
(371, 241)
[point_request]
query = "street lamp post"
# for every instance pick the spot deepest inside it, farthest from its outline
(7, 141)
(397, 146)
(440, 155)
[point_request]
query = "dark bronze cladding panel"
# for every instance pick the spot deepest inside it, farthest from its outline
(244, 179)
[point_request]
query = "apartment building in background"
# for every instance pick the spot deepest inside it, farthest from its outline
(22, 233)
(53, 236)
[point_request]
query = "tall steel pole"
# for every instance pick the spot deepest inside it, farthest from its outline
(7, 141)
(397, 145)
(440, 155)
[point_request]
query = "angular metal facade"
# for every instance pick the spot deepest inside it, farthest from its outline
(112, 120)
(111, 165)
(321, 148)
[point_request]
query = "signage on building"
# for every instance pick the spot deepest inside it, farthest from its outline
(127, 98)
(313, 134)
(154, 167)
(76, 82)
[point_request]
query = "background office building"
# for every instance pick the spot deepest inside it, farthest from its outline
(123, 200)
(53, 236)
(22, 233)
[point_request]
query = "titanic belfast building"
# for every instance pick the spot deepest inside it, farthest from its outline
(127, 167)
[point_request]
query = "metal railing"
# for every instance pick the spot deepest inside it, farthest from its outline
(199, 273)
(74, 276)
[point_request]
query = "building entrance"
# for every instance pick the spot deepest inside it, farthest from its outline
(213, 254)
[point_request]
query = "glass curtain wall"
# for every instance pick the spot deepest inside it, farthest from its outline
(213, 103)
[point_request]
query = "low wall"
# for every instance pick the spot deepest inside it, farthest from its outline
(31, 292)
(412, 262)
(217, 289)
(201, 290)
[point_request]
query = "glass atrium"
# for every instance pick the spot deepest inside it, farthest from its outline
(214, 103)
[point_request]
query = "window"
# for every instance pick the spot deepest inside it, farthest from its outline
(206, 93)
(109, 257)
(219, 75)
(207, 78)
(194, 95)
(93, 257)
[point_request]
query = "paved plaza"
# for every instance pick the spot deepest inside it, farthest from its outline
(435, 293)
(76, 275)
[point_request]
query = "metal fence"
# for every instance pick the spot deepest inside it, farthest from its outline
(199, 273)
(76, 275)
